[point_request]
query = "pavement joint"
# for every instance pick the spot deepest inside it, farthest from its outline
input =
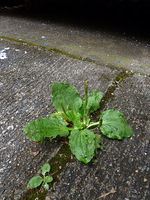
(109, 94)
(122, 76)
(24, 82)
(86, 59)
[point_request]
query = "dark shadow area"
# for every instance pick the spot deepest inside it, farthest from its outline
(128, 18)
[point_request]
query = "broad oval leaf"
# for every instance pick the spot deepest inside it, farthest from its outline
(94, 99)
(45, 168)
(65, 97)
(48, 179)
(41, 128)
(83, 144)
(114, 125)
(35, 182)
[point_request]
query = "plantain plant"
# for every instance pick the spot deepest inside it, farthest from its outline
(72, 120)
(43, 180)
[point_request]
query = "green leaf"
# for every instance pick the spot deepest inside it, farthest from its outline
(91, 103)
(45, 168)
(48, 179)
(46, 186)
(41, 128)
(34, 130)
(114, 125)
(35, 182)
(58, 126)
(73, 117)
(83, 144)
(65, 97)
(94, 99)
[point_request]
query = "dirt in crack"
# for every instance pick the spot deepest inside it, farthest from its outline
(58, 162)
(110, 92)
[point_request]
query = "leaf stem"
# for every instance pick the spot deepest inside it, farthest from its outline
(63, 108)
(86, 93)
(93, 124)
(85, 103)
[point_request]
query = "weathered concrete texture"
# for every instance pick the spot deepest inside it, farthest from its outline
(25, 77)
(99, 46)
(123, 165)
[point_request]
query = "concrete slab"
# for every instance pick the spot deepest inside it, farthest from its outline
(122, 170)
(25, 77)
(101, 47)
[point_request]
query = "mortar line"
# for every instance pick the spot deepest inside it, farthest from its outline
(55, 50)
(109, 94)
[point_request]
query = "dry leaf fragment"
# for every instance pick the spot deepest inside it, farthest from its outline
(34, 153)
(112, 191)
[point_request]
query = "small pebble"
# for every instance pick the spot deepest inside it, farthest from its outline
(47, 198)
(145, 180)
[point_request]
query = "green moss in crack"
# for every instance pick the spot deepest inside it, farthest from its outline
(66, 53)
(33, 194)
(111, 66)
(58, 162)
(110, 91)
(43, 47)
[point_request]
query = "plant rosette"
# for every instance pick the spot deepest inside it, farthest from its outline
(72, 120)
(43, 180)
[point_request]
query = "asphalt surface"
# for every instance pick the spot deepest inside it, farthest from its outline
(121, 170)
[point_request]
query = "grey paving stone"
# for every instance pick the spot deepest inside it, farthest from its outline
(99, 46)
(123, 165)
(25, 77)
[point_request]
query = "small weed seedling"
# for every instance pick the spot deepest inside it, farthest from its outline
(73, 120)
(36, 181)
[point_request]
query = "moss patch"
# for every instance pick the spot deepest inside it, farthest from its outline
(87, 59)
(110, 92)
(58, 162)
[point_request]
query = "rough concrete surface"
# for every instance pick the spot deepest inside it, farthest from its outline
(25, 77)
(123, 165)
(97, 45)
(122, 170)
